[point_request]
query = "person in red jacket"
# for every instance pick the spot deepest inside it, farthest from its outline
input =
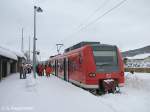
(40, 69)
(48, 70)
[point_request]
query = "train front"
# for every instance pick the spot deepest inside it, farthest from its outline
(106, 68)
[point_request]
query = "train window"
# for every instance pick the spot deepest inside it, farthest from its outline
(60, 65)
(104, 53)
(105, 57)
(73, 66)
(106, 60)
(80, 58)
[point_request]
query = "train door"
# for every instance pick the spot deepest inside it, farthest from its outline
(56, 67)
(66, 69)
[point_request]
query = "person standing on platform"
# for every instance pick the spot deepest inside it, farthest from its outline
(37, 69)
(21, 71)
(48, 70)
(24, 71)
(40, 69)
(43, 70)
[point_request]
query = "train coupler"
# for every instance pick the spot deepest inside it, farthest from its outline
(108, 86)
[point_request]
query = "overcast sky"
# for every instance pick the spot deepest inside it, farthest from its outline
(127, 26)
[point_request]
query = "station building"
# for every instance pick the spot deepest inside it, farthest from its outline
(9, 62)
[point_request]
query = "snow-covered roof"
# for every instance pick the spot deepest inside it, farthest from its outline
(7, 53)
(20, 54)
(140, 56)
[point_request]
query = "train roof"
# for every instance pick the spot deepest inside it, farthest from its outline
(81, 44)
(95, 45)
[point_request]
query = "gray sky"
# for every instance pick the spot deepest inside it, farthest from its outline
(127, 26)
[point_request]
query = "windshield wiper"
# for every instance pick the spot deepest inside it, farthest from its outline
(104, 64)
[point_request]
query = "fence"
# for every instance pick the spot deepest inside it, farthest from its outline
(144, 70)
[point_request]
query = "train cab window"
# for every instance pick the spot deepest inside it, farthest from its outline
(106, 59)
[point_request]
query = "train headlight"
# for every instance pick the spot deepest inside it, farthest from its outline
(92, 74)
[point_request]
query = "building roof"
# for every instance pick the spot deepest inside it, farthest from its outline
(7, 53)
(20, 54)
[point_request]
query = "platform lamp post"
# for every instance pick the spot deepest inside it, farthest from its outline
(36, 9)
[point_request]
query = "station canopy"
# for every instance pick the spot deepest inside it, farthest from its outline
(7, 53)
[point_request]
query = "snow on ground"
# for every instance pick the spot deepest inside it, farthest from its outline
(55, 95)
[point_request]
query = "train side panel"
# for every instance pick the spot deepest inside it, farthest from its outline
(75, 73)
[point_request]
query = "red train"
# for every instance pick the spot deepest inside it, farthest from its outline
(90, 65)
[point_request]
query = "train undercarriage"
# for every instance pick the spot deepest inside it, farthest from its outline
(106, 86)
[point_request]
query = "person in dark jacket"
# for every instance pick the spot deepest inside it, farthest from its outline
(43, 70)
(40, 69)
(21, 71)
(24, 72)
(37, 70)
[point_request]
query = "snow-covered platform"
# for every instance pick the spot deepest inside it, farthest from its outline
(55, 95)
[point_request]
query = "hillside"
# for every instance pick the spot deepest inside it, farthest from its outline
(134, 52)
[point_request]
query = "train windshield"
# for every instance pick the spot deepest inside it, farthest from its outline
(105, 59)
